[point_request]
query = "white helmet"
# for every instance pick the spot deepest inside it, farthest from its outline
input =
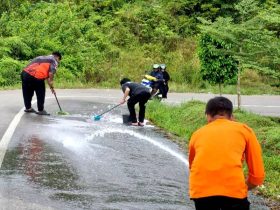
(155, 66)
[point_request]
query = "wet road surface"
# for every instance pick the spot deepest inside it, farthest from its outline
(72, 162)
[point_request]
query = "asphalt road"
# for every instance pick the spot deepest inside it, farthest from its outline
(68, 163)
(12, 101)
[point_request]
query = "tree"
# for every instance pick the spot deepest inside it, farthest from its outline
(216, 66)
(253, 44)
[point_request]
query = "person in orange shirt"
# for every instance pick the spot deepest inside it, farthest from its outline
(216, 155)
(33, 79)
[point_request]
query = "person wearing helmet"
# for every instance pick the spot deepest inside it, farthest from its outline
(158, 84)
(166, 78)
(156, 72)
(137, 93)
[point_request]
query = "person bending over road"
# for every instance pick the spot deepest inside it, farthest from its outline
(216, 155)
(137, 94)
(33, 79)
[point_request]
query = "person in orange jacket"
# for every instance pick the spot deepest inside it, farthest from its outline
(216, 155)
(33, 79)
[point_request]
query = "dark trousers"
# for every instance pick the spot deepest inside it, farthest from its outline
(142, 99)
(221, 203)
(160, 86)
(29, 86)
(165, 90)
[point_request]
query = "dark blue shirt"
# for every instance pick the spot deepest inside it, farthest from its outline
(135, 88)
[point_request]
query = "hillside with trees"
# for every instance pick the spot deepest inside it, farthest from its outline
(203, 43)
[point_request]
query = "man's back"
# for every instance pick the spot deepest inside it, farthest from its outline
(135, 88)
(216, 154)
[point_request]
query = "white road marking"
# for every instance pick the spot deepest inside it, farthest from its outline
(8, 135)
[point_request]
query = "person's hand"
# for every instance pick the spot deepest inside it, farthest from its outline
(52, 89)
(250, 185)
(122, 101)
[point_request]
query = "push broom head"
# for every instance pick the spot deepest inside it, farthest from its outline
(97, 117)
(62, 113)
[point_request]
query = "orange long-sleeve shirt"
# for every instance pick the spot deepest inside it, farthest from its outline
(216, 154)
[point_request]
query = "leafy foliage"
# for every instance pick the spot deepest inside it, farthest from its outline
(253, 45)
(104, 40)
(217, 67)
(9, 71)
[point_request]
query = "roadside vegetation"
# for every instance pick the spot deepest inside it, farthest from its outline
(182, 120)
(103, 41)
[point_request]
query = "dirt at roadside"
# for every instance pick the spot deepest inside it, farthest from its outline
(272, 204)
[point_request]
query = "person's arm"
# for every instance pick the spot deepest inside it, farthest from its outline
(125, 95)
(159, 76)
(52, 70)
(254, 161)
(50, 82)
(151, 78)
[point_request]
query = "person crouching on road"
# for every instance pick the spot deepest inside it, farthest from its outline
(216, 155)
(137, 93)
(33, 79)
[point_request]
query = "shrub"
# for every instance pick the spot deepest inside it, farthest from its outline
(10, 71)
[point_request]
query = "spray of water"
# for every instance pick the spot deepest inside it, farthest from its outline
(72, 139)
(101, 133)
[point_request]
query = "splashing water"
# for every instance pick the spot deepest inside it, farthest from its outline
(102, 133)
(78, 136)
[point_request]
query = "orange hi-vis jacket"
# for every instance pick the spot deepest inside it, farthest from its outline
(41, 66)
(216, 156)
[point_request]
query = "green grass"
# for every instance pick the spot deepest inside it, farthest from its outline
(182, 120)
(176, 119)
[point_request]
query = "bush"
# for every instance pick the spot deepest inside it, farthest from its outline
(15, 47)
(10, 70)
(64, 75)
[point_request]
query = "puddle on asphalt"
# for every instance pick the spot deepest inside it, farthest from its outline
(72, 162)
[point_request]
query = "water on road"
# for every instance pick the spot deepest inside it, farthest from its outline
(72, 162)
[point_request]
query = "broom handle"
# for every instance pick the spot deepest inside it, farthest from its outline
(57, 102)
(109, 109)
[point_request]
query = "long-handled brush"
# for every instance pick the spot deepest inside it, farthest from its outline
(98, 117)
(59, 112)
